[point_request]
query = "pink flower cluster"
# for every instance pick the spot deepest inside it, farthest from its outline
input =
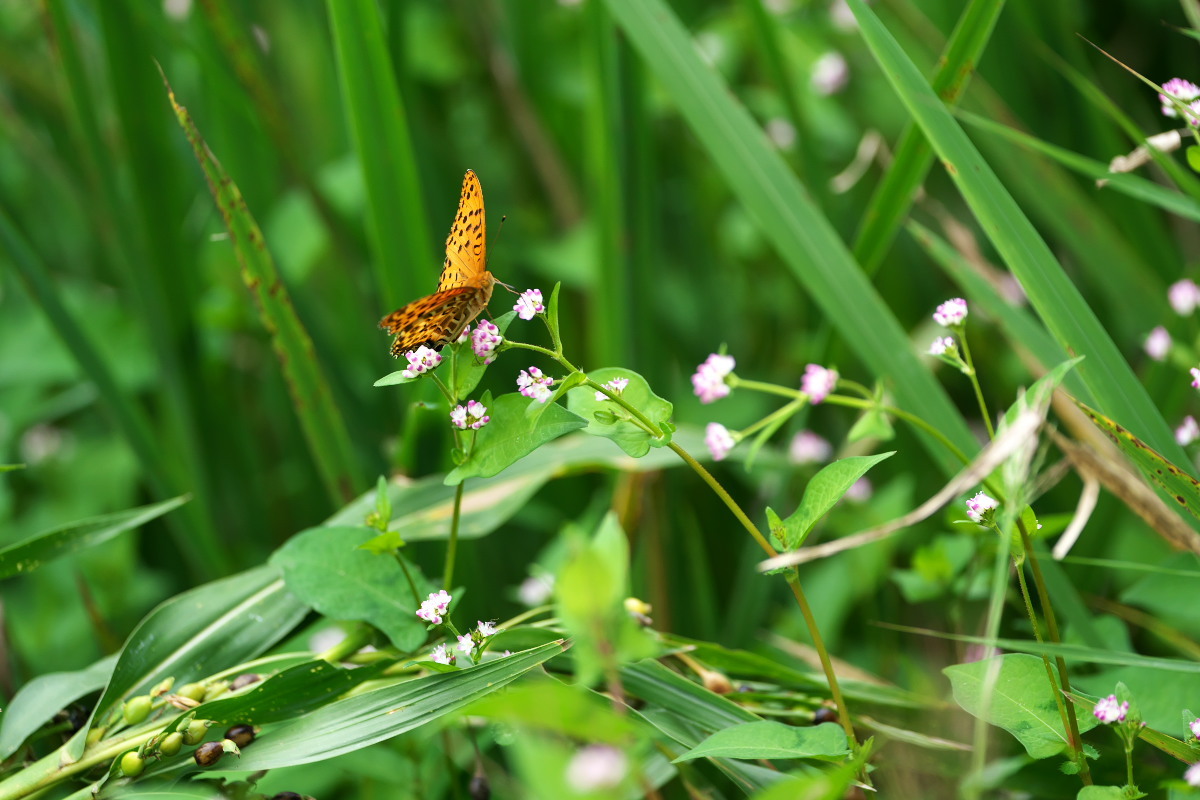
(437, 604)
(473, 415)
(484, 341)
(951, 313)
(534, 385)
(420, 361)
(1185, 92)
(818, 382)
(709, 379)
(616, 386)
(719, 440)
(529, 304)
(979, 505)
(1109, 710)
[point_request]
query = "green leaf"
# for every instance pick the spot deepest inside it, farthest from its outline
(327, 568)
(320, 420)
(1051, 292)
(1021, 703)
(546, 704)
(45, 696)
(631, 437)
(1193, 158)
(806, 241)
(770, 739)
(1180, 487)
(872, 425)
(198, 633)
(295, 691)
(823, 492)
(511, 435)
(26, 556)
(1102, 793)
(352, 723)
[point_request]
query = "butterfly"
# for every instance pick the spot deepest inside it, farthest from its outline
(464, 288)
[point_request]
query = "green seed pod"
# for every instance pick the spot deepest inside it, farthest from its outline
(170, 745)
(192, 691)
(132, 764)
(215, 690)
(208, 753)
(162, 687)
(195, 731)
(136, 709)
(95, 735)
(241, 735)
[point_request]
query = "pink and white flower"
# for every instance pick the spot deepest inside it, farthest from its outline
(1184, 296)
(441, 655)
(719, 440)
(434, 606)
(529, 304)
(807, 447)
(941, 345)
(1109, 710)
(1182, 90)
(486, 629)
(616, 386)
(466, 645)
(484, 341)
(1188, 431)
(534, 385)
(818, 382)
(979, 505)
(1158, 343)
(951, 313)
(473, 415)
(708, 382)
(420, 361)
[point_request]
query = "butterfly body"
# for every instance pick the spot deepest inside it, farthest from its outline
(465, 286)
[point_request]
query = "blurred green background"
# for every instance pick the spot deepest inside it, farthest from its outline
(603, 186)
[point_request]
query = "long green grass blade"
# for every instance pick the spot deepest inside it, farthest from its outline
(893, 197)
(779, 204)
(1057, 301)
(396, 220)
(319, 417)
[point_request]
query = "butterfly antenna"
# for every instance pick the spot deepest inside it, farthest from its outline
(504, 219)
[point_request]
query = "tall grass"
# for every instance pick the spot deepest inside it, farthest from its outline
(672, 164)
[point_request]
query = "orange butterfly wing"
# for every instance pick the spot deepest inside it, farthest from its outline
(464, 288)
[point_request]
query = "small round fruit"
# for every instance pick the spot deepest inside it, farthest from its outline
(136, 709)
(241, 735)
(132, 764)
(208, 753)
(171, 745)
(192, 691)
(195, 732)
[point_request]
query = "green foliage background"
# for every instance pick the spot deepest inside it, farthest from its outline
(134, 364)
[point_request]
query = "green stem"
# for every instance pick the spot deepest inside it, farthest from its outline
(412, 585)
(899, 413)
(810, 620)
(761, 386)
(452, 544)
(983, 409)
(729, 502)
(1039, 582)
(784, 411)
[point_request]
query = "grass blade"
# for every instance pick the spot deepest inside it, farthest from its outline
(323, 426)
(803, 237)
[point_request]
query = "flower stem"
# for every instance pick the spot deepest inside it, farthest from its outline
(452, 543)
(793, 580)
(983, 409)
